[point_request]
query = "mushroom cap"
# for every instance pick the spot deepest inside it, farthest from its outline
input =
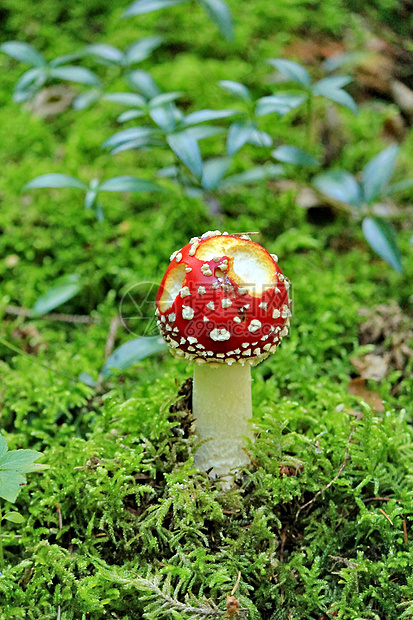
(223, 299)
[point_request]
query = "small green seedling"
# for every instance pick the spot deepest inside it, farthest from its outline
(14, 465)
(365, 200)
(43, 72)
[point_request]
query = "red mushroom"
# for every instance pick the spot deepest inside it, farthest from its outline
(223, 303)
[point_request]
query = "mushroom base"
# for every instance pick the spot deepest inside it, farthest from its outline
(222, 408)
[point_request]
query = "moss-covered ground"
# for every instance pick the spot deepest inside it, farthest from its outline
(122, 502)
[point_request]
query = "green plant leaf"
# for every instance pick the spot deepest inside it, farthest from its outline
(214, 171)
(133, 133)
(132, 352)
(399, 187)
(237, 89)
(64, 289)
(260, 138)
(105, 52)
(128, 184)
(200, 132)
(293, 155)
(186, 148)
(144, 83)
(14, 517)
(339, 185)
(201, 116)
(14, 464)
(23, 52)
(164, 98)
(238, 135)
(84, 100)
(254, 175)
(164, 117)
(326, 88)
(333, 82)
(381, 237)
(76, 74)
(55, 180)
(29, 84)
(129, 115)
(90, 199)
(292, 70)
(219, 13)
(280, 104)
(129, 99)
(142, 49)
(147, 6)
(378, 172)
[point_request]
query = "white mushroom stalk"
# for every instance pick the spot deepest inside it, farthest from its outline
(223, 303)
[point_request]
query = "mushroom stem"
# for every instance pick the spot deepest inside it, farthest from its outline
(222, 408)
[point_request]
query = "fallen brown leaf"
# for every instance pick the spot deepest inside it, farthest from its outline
(357, 387)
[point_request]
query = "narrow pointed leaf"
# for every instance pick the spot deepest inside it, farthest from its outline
(219, 13)
(399, 187)
(164, 117)
(202, 116)
(90, 199)
(63, 290)
(238, 135)
(55, 180)
(378, 172)
(142, 49)
(280, 104)
(23, 52)
(260, 138)
(105, 52)
(381, 237)
(84, 100)
(128, 184)
(292, 70)
(144, 83)
(293, 155)
(214, 171)
(132, 352)
(339, 185)
(338, 96)
(76, 74)
(147, 6)
(237, 89)
(200, 132)
(186, 148)
(129, 99)
(133, 133)
(129, 115)
(164, 98)
(254, 175)
(335, 81)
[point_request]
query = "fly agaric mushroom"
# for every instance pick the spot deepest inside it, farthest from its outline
(223, 303)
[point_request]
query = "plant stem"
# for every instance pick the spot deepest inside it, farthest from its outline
(309, 132)
(222, 408)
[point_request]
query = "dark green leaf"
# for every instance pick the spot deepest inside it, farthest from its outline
(55, 180)
(214, 171)
(280, 104)
(14, 517)
(219, 13)
(132, 352)
(142, 49)
(147, 6)
(238, 135)
(128, 184)
(236, 88)
(75, 74)
(64, 289)
(186, 148)
(254, 175)
(144, 83)
(293, 155)
(378, 172)
(381, 237)
(292, 70)
(339, 185)
(23, 52)
(106, 52)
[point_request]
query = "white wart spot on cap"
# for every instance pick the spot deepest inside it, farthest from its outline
(237, 319)
(220, 335)
(184, 292)
(178, 257)
(276, 313)
(192, 339)
(187, 313)
(254, 325)
(171, 317)
(226, 303)
(264, 305)
(206, 270)
(210, 305)
(201, 290)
